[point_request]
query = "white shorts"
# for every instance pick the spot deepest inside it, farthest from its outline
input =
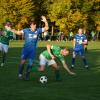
(44, 61)
(3, 47)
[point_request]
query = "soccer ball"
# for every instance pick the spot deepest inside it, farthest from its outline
(43, 79)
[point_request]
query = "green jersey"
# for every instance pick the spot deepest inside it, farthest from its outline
(7, 35)
(55, 50)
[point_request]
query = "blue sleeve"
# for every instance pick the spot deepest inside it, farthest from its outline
(75, 36)
(25, 30)
(85, 37)
(39, 30)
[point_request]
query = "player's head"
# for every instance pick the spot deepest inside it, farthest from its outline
(32, 24)
(8, 25)
(65, 52)
(80, 31)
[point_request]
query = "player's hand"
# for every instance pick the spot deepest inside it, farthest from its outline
(12, 30)
(85, 43)
(43, 19)
(52, 56)
(72, 73)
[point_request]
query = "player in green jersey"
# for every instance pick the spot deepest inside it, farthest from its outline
(6, 35)
(49, 57)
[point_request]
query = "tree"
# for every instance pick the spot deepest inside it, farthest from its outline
(72, 14)
(65, 15)
(96, 14)
(14, 10)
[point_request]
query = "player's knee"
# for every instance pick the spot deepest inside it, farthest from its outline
(56, 67)
(23, 62)
(41, 69)
(74, 56)
(30, 62)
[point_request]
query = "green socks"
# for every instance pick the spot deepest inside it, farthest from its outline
(34, 69)
(57, 74)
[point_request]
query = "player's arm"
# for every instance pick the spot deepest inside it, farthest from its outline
(74, 40)
(19, 32)
(46, 27)
(85, 42)
(67, 69)
(49, 51)
(2, 34)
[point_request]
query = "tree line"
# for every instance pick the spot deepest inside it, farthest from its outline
(63, 15)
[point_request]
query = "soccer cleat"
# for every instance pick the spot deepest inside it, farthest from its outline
(72, 66)
(2, 64)
(86, 66)
(20, 76)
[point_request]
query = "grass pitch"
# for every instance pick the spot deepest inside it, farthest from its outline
(84, 86)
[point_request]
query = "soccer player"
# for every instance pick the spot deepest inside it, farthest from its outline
(78, 47)
(50, 55)
(5, 37)
(29, 50)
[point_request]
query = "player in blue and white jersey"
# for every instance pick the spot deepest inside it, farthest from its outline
(78, 47)
(29, 50)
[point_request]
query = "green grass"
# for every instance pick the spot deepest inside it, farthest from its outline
(84, 86)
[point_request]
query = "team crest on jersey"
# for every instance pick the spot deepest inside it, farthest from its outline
(30, 35)
(33, 36)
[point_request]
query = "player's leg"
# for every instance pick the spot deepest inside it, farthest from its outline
(29, 69)
(22, 63)
(82, 53)
(31, 56)
(43, 62)
(41, 68)
(3, 58)
(73, 59)
(85, 47)
(1, 49)
(85, 62)
(54, 65)
(4, 53)
(21, 68)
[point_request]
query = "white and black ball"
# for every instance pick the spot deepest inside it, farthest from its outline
(43, 79)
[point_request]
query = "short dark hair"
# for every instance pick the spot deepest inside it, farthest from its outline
(32, 21)
(67, 49)
(8, 24)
